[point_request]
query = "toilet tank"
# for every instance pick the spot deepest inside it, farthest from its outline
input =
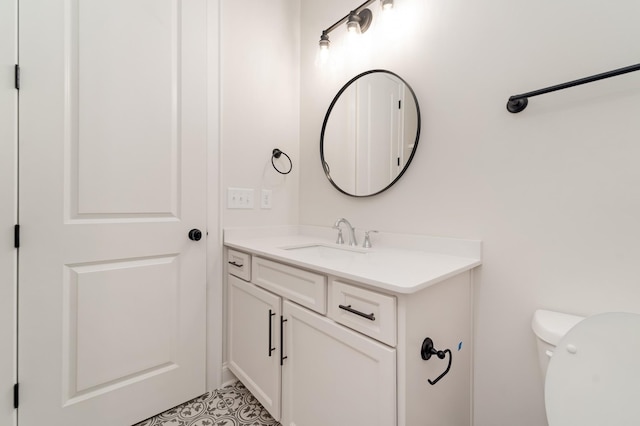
(549, 328)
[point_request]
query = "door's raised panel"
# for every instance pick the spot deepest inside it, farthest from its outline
(122, 321)
(123, 112)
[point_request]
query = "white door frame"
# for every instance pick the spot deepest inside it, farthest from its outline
(8, 209)
(215, 306)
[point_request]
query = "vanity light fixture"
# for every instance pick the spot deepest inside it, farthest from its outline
(358, 21)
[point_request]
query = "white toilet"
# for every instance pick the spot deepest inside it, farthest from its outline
(591, 367)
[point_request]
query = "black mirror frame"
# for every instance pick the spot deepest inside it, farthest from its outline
(325, 166)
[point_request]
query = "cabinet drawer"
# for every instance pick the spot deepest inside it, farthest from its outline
(366, 311)
(303, 287)
(239, 264)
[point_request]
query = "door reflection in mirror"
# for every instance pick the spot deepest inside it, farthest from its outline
(370, 133)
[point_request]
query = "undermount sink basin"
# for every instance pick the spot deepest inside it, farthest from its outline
(323, 250)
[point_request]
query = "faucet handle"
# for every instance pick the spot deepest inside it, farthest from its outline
(340, 240)
(367, 240)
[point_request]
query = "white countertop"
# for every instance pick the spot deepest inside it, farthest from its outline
(396, 263)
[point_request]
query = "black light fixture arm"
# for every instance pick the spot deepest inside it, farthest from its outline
(346, 17)
(518, 103)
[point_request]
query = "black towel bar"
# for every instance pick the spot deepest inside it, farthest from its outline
(517, 103)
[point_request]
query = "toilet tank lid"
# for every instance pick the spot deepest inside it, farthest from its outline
(552, 326)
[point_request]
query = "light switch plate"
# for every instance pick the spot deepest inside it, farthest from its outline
(239, 198)
(265, 199)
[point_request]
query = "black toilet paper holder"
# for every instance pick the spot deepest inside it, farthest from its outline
(428, 350)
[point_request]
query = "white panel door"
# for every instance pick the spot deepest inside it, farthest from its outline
(334, 376)
(8, 208)
(378, 136)
(113, 177)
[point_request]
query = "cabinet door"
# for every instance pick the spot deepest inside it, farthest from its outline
(334, 376)
(254, 341)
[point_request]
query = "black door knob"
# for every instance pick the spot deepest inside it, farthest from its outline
(195, 235)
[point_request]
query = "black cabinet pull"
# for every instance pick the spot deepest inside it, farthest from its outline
(348, 308)
(271, 314)
(282, 357)
(239, 265)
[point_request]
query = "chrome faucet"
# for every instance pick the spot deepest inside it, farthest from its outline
(351, 229)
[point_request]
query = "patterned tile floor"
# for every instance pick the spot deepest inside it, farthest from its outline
(232, 405)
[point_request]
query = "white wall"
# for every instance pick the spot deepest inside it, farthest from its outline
(553, 192)
(260, 105)
(259, 110)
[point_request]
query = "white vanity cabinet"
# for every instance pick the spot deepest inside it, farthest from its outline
(318, 349)
(319, 373)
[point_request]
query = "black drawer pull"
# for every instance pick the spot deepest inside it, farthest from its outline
(271, 314)
(348, 308)
(239, 265)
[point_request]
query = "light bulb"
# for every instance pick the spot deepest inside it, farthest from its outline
(353, 27)
(323, 51)
(353, 23)
(324, 42)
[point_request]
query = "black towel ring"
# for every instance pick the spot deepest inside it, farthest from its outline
(276, 154)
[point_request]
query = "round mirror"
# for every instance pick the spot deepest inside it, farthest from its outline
(370, 133)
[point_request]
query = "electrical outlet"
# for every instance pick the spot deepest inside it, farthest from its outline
(265, 199)
(239, 198)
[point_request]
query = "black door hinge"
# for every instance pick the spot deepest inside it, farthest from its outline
(16, 394)
(17, 76)
(16, 236)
